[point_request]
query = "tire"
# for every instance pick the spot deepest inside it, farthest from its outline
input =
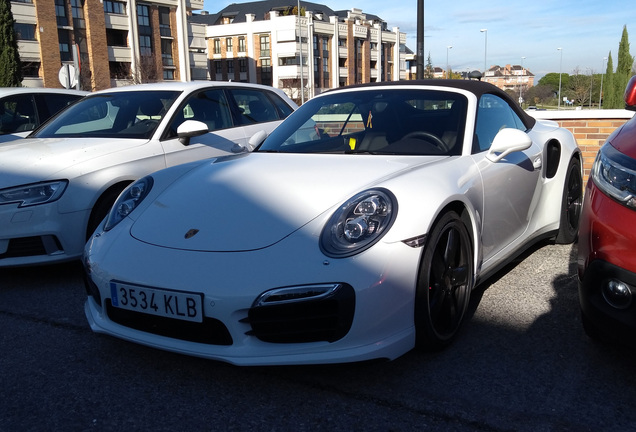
(571, 204)
(445, 282)
(102, 207)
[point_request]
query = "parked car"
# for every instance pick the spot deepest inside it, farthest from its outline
(606, 252)
(23, 109)
(58, 184)
(357, 230)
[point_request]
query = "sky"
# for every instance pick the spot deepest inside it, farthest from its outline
(527, 33)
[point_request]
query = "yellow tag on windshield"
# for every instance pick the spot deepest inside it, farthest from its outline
(352, 143)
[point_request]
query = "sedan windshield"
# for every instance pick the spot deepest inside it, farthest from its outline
(129, 114)
(386, 121)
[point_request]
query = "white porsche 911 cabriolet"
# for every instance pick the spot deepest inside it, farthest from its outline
(357, 230)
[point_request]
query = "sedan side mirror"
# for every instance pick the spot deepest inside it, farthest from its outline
(189, 129)
(506, 141)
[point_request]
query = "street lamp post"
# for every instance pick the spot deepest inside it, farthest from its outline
(591, 83)
(447, 65)
(560, 66)
(600, 94)
(485, 32)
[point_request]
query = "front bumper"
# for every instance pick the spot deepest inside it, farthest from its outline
(40, 235)
(606, 253)
(371, 315)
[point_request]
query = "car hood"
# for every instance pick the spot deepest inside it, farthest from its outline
(37, 159)
(252, 202)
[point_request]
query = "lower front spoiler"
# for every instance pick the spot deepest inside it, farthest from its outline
(259, 353)
(601, 319)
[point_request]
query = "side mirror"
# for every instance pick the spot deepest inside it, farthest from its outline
(255, 140)
(189, 129)
(507, 141)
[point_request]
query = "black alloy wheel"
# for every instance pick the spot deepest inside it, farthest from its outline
(445, 283)
(571, 204)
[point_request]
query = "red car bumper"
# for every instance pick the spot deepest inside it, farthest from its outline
(607, 257)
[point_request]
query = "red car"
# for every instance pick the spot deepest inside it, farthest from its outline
(607, 237)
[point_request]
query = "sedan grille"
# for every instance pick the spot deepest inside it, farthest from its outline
(32, 246)
(210, 331)
(322, 319)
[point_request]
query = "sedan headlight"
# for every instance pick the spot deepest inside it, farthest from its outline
(33, 194)
(129, 200)
(615, 174)
(358, 223)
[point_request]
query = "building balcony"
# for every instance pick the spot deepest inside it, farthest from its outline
(119, 54)
(116, 21)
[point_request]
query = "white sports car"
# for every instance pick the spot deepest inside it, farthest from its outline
(355, 231)
(59, 183)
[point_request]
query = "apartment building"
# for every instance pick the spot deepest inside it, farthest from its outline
(112, 42)
(509, 77)
(268, 42)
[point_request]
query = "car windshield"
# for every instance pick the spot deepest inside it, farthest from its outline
(128, 114)
(386, 121)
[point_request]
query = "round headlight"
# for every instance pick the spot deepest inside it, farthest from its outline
(129, 200)
(358, 223)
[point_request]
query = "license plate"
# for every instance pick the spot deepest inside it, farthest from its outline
(171, 304)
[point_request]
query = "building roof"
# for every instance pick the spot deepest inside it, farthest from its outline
(260, 9)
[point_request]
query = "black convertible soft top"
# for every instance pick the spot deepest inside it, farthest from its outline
(478, 88)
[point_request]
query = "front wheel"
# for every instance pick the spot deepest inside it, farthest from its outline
(445, 282)
(571, 204)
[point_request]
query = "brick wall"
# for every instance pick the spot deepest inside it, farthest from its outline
(590, 128)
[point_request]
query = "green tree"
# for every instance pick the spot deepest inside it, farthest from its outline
(428, 70)
(608, 87)
(618, 81)
(10, 66)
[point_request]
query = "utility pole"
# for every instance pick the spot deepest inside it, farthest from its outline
(419, 57)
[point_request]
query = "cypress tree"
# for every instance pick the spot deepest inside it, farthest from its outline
(608, 92)
(10, 66)
(623, 68)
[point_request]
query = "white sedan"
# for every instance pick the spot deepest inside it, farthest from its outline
(357, 230)
(59, 183)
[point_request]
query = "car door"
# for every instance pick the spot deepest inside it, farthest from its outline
(211, 107)
(511, 185)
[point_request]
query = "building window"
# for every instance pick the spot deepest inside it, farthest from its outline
(117, 38)
(145, 30)
(64, 39)
(242, 65)
(77, 8)
(241, 46)
(265, 46)
(342, 43)
(217, 46)
(168, 74)
(288, 61)
(218, 67)
(166, 52)
(24, 31)
(228, 45)
(230, 67)
(60, 13)
(22, 1)
(119, 70)
(164, 22)
(315, 45)
(114, 7)
(266, 71)
(31, 69)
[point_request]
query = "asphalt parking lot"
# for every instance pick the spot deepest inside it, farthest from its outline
(522, 363)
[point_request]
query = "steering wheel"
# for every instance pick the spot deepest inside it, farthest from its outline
(427, 136)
